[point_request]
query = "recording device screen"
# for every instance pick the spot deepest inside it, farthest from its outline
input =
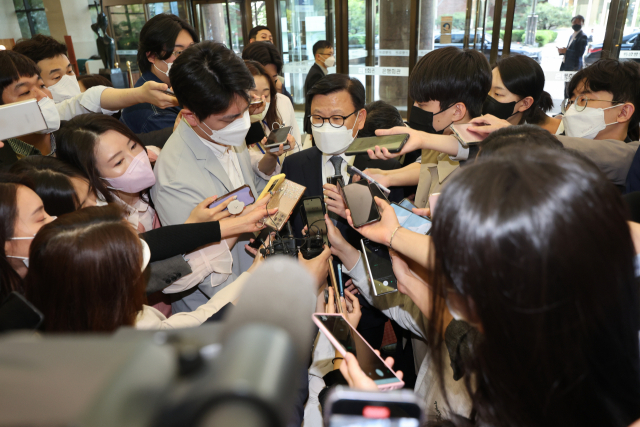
(411, 221)
(344, 420)
(352, 342)
(313, 209)
(380, 268)
(360, 202)
(393, 143)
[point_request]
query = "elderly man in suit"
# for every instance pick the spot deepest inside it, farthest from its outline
(576, 46)
(207, 155)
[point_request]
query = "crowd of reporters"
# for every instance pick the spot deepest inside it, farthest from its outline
(521, 306)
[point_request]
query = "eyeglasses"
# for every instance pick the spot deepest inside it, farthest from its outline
(335, 121)
(581, 103)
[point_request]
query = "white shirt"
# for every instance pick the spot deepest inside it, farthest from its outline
(229, 161)
(86, 102)
(328, 169)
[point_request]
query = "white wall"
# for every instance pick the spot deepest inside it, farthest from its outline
(72, 18)
(9, 28)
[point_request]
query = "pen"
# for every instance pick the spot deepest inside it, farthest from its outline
(340, 285)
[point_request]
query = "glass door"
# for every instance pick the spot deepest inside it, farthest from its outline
(303, 23)
(126, 23)
(221, 22)
(177, 8)
(258, 13)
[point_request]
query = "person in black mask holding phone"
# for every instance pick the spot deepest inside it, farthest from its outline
(448, 85)
(517, 93)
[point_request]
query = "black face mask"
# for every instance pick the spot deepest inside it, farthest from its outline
(576, 27)
(502, 110)
(423, 120)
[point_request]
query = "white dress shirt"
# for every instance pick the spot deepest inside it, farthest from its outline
(328, 169)
(229, 161)
(86, 102)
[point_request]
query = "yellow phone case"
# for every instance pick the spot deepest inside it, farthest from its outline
(273, 184)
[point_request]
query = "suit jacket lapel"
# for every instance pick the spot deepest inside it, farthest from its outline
(205, 156)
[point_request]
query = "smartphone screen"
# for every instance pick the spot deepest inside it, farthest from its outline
(406, 203)
(244, 195)
(411, 221)
(314, 215)
(370, 363)
(376, 191)
(393, 143)
(361, 204)
(278, 136)
(380, 268)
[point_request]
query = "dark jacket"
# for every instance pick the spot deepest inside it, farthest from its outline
(145, 117)
(575, 51)
(315, 74)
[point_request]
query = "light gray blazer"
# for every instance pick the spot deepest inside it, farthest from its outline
(187, 172)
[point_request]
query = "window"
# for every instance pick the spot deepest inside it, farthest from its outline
(31, 18)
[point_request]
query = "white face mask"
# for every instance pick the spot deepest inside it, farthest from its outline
(332, 140)
(24, 259)
(330, 61)
(260, 117)
(454, 313)
(67, 87)
(50, 114)
(585, 124)
(233, 134)
(146, 254)
(166, 73)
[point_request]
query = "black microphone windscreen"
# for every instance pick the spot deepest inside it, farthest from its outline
(279, 293)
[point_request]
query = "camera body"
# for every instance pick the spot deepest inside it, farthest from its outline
(310, 247)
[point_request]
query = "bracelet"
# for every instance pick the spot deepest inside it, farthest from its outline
(393, 234)
(336, 358)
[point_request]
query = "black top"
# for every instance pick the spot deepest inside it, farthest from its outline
(315, 74)
(171, 240)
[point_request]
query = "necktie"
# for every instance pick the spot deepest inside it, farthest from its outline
(336, 161)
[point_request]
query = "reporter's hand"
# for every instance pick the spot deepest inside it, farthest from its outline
(414, 142)
(353, 311)
(379, 231)
(318, 267)
(257, 260)
(486, 124)
(281, 150)
(202, 213)
(339, 246)
(422, 212)
(152, 92)
(351, 287)
(377, 174)
(334, 201)
(356, 378)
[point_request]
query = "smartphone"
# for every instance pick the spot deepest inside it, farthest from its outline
(379, 267)
(407, 204)
(334, 180)
(244, 193)
(376, 191)
(277, 137)
(465, 136)
(273, 184)
(360, 202)
(313, 212)
(354, 170)
(393, 143)
(348, 407)
(20, 118)
(411, 221)
(345, 338)
(16, 313)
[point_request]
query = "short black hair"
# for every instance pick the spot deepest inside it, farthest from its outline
(322, 44)
(14, 65)
(333, 83)
(40, 47)
(522, 135)
(580, 17)
(265, 53)
(451, 75)
(207, 77)
(620, 78)
(380, 115)
(159, 36)
(253, 33)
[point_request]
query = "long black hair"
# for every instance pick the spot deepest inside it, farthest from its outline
(51, 178)
(524, 77)
(76, 144)
(536, 245)
(256, 69)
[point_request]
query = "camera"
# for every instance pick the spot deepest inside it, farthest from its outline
(310, 246)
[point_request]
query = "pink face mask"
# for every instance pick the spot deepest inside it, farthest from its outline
(138, 176)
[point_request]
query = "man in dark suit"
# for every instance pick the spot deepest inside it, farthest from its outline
(323, 55)
(576, 46)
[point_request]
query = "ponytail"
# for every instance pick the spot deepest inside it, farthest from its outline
(537, 113)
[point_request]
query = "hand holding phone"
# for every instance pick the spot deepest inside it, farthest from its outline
(393, 143)
(360, 203)
(277, 137)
